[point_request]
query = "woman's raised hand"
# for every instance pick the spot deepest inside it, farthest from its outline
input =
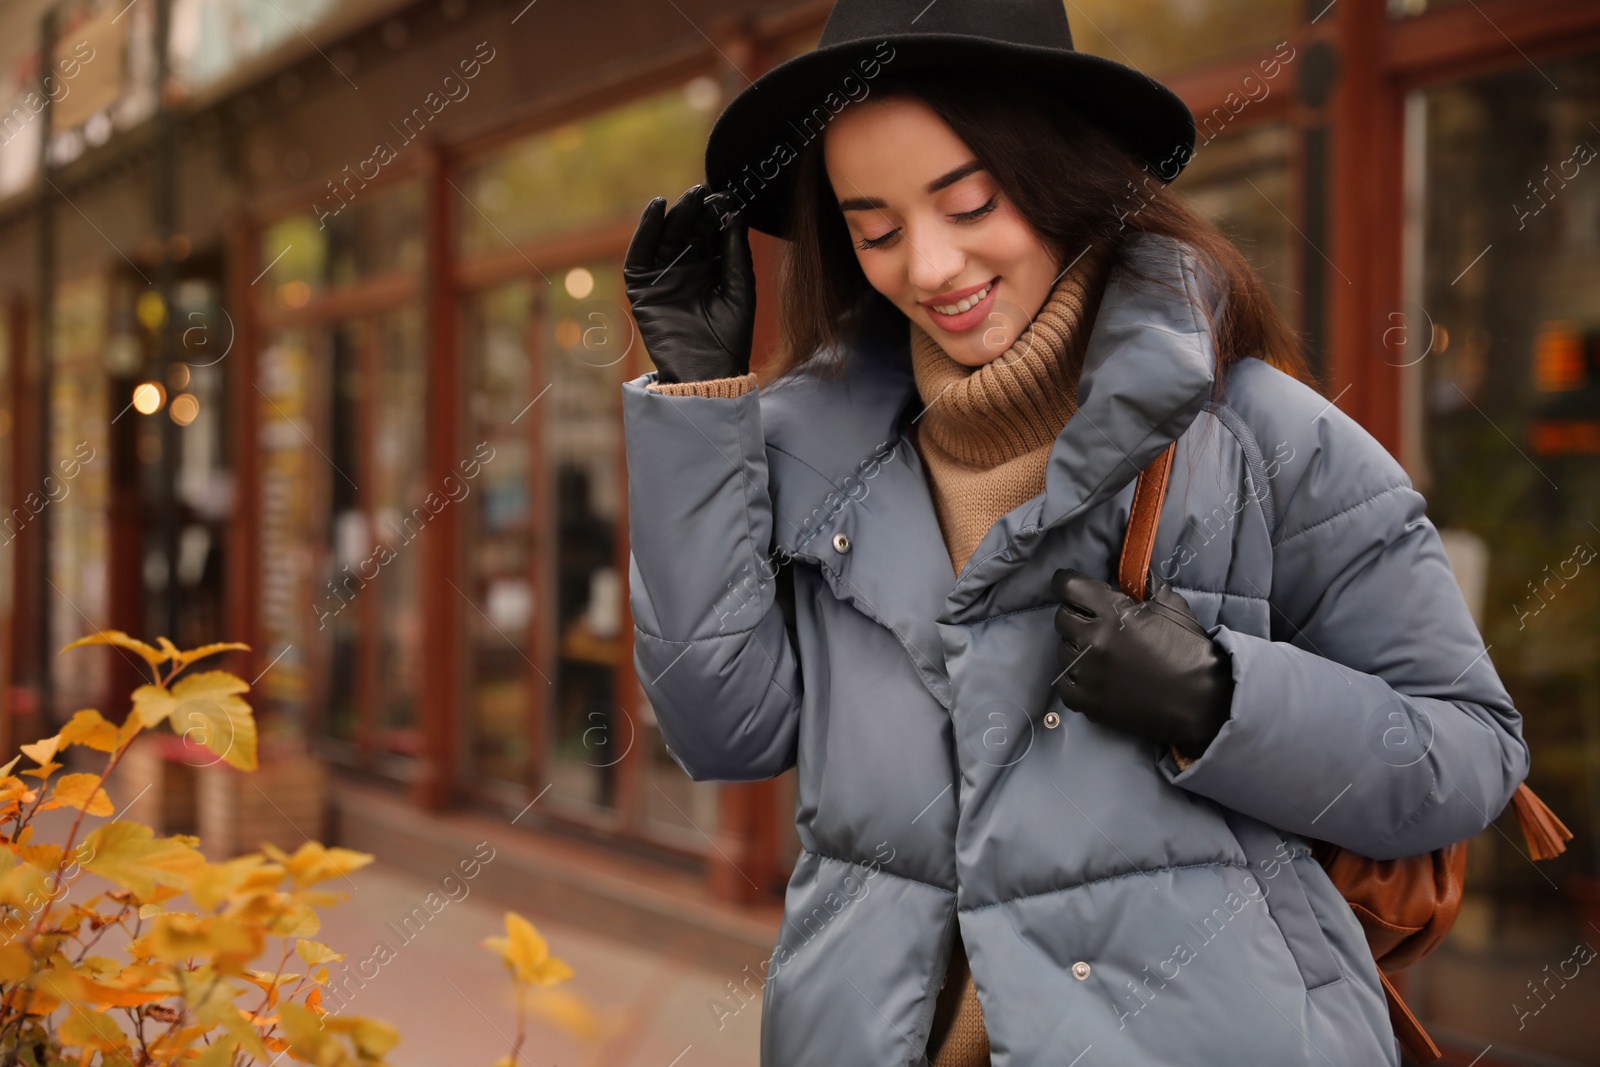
(692, 286)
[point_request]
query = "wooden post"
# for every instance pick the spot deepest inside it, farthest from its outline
(1365, 215)
(444, 624)
(21, 710)
(241, 594)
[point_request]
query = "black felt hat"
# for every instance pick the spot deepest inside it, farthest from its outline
(750, 153)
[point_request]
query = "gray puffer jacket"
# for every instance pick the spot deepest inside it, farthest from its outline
(1116, 909)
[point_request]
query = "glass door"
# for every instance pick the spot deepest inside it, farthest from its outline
(589, 733)
(507, 690)
(555, 709)
(378, 507)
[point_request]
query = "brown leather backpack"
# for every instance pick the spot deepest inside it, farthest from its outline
(1406, 906)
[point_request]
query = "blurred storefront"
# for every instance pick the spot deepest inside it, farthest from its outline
(311, 315)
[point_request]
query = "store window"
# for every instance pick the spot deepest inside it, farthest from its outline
(201, 479)
(212, 38)
(344, 494)
(1502, 339)
(583, 470)
(21, 105)
(104, 68)
(507, 687)
(1160, 38)
(590, 172)
(77, 492)
(376, 233)
(295, 615)
(370, 559)
(1240, 181)
(547, 643)
(555, 703)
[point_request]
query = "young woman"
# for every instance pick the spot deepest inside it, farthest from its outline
(1041, 822)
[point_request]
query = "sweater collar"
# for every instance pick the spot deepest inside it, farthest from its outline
(1017, 402)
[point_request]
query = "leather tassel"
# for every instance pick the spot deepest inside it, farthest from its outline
(1547, 836)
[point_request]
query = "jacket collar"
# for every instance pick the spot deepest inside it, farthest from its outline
(1147, 368)
(840, 463)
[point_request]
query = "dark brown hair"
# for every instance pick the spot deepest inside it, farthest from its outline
(1074, 184)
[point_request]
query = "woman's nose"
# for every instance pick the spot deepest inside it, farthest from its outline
(935, 264)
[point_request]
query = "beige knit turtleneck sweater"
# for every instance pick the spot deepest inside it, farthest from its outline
(985, 433)
(984, 436)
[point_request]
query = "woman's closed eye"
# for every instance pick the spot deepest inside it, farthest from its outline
(962, 216)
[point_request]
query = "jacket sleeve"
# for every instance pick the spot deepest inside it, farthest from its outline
(1378, 723)
(709, 643)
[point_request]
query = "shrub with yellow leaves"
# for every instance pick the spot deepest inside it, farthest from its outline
(180, 988)
(533, 971)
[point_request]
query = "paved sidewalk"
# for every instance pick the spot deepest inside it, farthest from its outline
(452, 999)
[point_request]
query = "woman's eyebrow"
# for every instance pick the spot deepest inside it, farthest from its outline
(868, 203)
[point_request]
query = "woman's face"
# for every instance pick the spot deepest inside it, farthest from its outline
(932, 229)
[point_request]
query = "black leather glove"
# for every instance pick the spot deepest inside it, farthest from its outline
(1146, 667)
(692, 287)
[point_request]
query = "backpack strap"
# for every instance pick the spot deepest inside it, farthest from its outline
(1144, 516)
(1413, 1038)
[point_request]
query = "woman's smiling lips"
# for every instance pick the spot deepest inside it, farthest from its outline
(966, 320)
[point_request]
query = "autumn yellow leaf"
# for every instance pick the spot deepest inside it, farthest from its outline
(313, 862)
(220, 1053)
(99, 967)
(116, 637)
(44, 771)
(5, 772)
(207, 710)
(151, 977)
(296, 919)
(162, 893)
(210, 715)
(16, 963)
(313, 1038)
(370, 1037)
(315, 952)
(92, 1030)
(13, 789)
(45, 856)
(78, 988)
(22, 885)
(269, 983)
(219, 881)
(194, 655)
(228, 941)
(241, 1027)
(526, 954)
(130, 855)
(89, 728)
(81, 791)
(42, 752)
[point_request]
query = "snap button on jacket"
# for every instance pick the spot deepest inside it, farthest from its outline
(931, 799)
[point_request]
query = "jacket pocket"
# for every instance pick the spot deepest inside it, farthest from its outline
(1286, 899)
